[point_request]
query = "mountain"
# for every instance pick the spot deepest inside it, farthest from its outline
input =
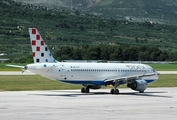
(71, 28)
(159, 11)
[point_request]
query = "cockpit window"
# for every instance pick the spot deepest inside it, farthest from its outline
(154, 70)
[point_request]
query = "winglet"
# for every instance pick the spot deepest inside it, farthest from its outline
(40, 51)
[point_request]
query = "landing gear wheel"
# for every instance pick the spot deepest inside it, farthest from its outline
(112, 91)
(87, 90)
(116, 91)
(83, 90)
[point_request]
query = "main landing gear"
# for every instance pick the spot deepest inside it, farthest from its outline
(85, 89)
(115, 90)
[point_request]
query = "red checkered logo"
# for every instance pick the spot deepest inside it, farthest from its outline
(34, 54)
(37, 48)
(33, 42)
(42, 42)
(33, 31)
(37, 37)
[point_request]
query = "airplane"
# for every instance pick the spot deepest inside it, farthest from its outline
(89, 75)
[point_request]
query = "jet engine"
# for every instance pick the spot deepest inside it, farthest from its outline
(138, 85)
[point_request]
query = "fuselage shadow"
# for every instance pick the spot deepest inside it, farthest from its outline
(77, 94)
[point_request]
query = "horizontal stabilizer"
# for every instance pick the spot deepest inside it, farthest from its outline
(17, 66)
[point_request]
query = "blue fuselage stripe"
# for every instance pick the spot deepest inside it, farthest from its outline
(97, 82)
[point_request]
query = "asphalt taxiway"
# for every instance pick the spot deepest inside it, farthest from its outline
(154, 104)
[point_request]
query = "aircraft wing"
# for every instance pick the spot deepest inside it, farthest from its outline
(128, 79)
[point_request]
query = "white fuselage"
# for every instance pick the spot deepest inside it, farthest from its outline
(90, 73)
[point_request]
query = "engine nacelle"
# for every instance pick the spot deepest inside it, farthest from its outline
(138, 85)
(94, 86)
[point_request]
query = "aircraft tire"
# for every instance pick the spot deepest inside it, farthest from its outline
(83, 90)
(116, 91)
(87, 90)
(112, 91)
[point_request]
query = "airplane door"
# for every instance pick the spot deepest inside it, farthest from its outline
(63, 70)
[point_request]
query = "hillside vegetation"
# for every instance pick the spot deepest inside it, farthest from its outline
(160, 11)
(61, 28)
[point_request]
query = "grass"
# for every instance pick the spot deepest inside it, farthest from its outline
(165, 81)
(164, 67)
(36, 82)
(3, 67)
(31, 82)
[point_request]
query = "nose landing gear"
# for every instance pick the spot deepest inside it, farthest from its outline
(85, 89)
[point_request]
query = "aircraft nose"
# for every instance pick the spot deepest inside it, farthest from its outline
(157, 73)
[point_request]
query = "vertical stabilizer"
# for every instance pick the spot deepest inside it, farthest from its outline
(40, 50)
